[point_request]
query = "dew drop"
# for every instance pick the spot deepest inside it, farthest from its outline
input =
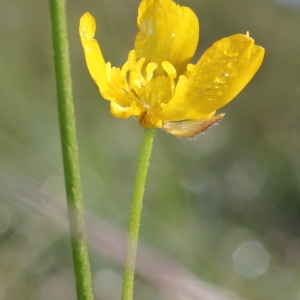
(209, 85)
(231, 52)
(231, 64)
(211, 52)
(221, 79)
(233, 73)
(218, 94)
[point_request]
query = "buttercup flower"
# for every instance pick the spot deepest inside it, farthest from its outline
(158, 84)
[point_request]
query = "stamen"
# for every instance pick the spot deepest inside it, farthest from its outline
(132, 55)
(149, 70)
(169, 68)
(189, 69)
(127, 66)
(136, 78)
(181, 81)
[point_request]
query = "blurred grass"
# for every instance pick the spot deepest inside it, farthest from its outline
(204, 198)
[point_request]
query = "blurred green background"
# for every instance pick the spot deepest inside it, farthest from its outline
(224, 206)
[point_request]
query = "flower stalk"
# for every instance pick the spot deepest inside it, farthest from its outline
(135, 213)
(158, 85)
(69, 150)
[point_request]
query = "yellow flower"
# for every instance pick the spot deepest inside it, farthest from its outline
(158, 84)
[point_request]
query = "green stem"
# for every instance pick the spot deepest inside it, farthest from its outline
(69, 150)
(135, 213)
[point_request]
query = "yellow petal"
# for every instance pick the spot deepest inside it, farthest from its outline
(124, 112)
(220, 74)
(93, 54)
(167, 32)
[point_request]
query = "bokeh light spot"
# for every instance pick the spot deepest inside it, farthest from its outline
(251, 259)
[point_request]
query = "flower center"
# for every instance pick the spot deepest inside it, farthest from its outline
(151, 92)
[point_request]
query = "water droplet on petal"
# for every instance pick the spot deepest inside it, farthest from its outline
(231, 52)
(232, 64)
(222, 78)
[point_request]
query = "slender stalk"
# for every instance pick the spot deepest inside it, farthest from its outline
(135, 213)
(69, 150)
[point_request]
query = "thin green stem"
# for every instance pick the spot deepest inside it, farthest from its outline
(135, 213)
(69, 150)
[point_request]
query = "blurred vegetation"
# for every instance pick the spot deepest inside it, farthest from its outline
(225, 205)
